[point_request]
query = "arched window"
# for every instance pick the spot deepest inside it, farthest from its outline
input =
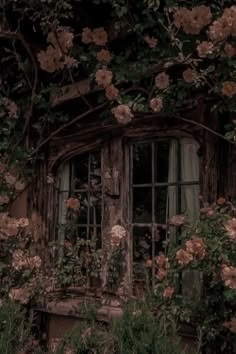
(150, 182)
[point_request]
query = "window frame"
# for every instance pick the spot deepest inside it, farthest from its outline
(117, 209)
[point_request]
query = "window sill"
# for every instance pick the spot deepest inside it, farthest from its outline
(76, 301)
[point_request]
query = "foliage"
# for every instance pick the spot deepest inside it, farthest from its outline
(137, 331)
(142, 58)
(206, 257)
(15, 332)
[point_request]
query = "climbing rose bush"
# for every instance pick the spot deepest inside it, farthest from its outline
(205, 251)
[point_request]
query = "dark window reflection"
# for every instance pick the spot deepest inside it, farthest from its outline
(142, 250)
(142, 202)
(142, 163)
(161, 204)
(161, 162)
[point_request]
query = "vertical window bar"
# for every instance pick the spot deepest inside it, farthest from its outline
(153, 213)
(88, 195)
(131, 213)
(178, 199)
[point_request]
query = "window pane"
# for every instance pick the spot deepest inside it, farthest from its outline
(95, 170)
(95, 208)
(83, 210)
(142, 205)
(161, 161)
(95, 235)
(161, 204)
(159, 237)
(142, 163)
(142, 250)
(80, 172)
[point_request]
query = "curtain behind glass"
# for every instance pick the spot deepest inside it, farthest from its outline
(191, 280)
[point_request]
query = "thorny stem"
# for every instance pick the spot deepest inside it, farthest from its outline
(70, 73)
(83, 115)
(192, 122)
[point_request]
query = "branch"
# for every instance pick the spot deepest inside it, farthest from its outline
(192, 122)
(70, 73)
(76, 119)
(19, 36)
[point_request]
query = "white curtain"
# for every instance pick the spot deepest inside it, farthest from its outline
(189, 173)
(189, 198)
(64, 186)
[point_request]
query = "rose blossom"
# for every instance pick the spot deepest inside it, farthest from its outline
(168, 292)
(161, 274)
(118, 232)
(228, 275)
(162, 81)
(161, 261)
(73, 203)
(86, 36)
(151, 41)
(230, 227)
(111, 92)
(231, 325)
(177, 220)
(204, 49)
(99, 36)
(156, 104)
(196, 246)
(183, 257)
(230, 51)
(188, 75)
(104, 56)
(103, 77)
(229, 88)
(122, 113)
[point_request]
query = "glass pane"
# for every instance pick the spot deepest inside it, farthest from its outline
(95, 208)
(142, 163)
(81, 233)
(142, 205)
(142, 250)
(161, 205)
(159, 237)
(80, 172)
(95, 235)
(161, 162)
(95, 170)
(83, 210)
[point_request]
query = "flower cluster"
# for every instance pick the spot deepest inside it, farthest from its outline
(224, 26)
(228, 275)
(56, 56)
(118, 232)
(193, 247)
(98, 36)
(192, 21)
(11, 226)
(21, 260)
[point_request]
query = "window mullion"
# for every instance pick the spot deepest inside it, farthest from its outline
(153, 214)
